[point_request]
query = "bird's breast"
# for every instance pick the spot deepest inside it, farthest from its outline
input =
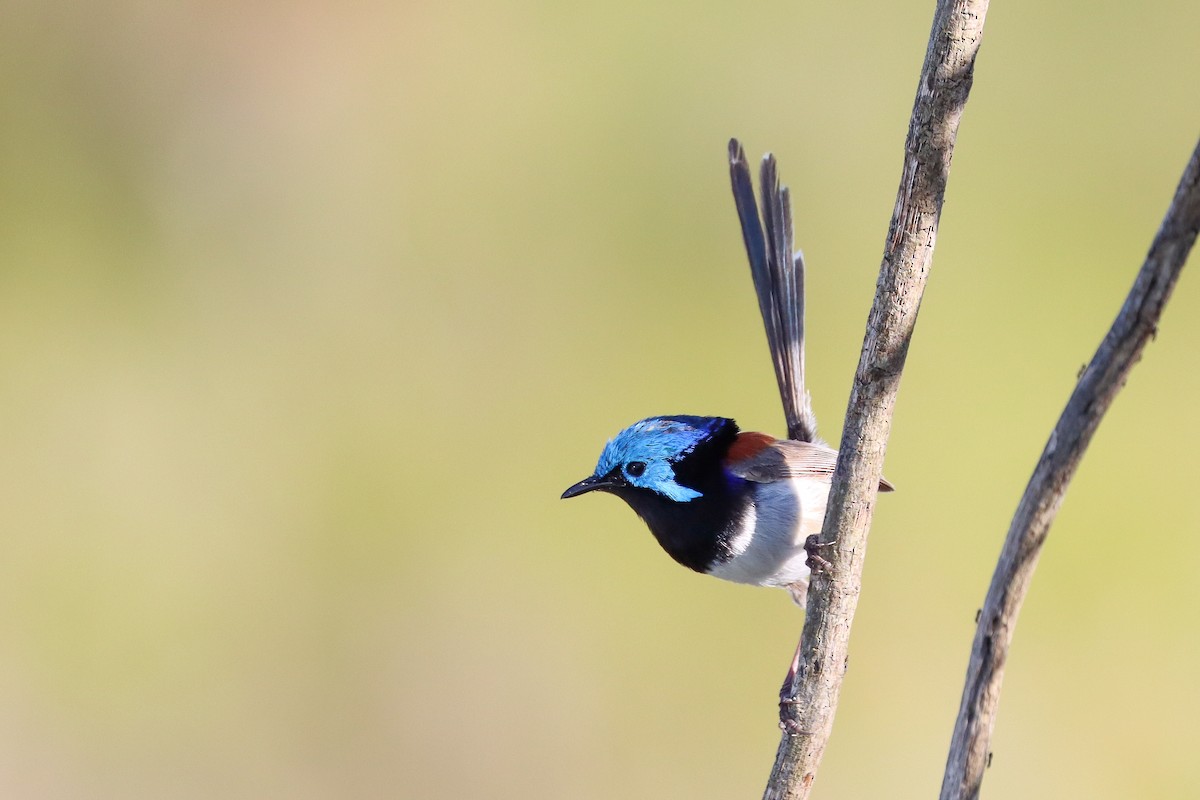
(765, 544)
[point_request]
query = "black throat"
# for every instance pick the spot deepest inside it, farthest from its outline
(697, 533)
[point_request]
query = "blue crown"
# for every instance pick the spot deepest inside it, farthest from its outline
(659, 442)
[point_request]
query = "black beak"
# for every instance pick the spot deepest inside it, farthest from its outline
(593, 483)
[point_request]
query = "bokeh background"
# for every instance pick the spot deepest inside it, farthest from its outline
(309, 312)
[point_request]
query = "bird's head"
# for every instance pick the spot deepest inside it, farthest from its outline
(661, 456)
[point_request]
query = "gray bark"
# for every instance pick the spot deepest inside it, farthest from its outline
(833, 595)
(1135, 325)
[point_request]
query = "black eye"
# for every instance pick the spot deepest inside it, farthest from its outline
(635, 469)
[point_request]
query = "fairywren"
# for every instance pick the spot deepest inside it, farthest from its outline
(737, 505)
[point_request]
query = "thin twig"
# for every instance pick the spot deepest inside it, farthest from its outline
(833, 596)
(1122, 347)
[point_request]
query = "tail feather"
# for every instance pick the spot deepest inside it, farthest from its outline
(778, 272)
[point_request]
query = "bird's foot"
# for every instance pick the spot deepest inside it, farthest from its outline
(814, 561)
(789, 716)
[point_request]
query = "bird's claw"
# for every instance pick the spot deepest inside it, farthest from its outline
(789, 713)
(814, 561)
(789, 721)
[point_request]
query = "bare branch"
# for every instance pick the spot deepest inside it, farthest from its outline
(941, 96)
(1122, 347)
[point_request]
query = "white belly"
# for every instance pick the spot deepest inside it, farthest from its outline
(768, 545)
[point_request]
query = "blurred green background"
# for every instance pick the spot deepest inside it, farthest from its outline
(308, 313)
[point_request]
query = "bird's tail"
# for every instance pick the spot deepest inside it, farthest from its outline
(778, 271)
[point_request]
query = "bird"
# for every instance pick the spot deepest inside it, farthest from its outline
(743, 506)
(739, 505)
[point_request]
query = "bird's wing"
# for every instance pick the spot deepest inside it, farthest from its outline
(787, 458)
